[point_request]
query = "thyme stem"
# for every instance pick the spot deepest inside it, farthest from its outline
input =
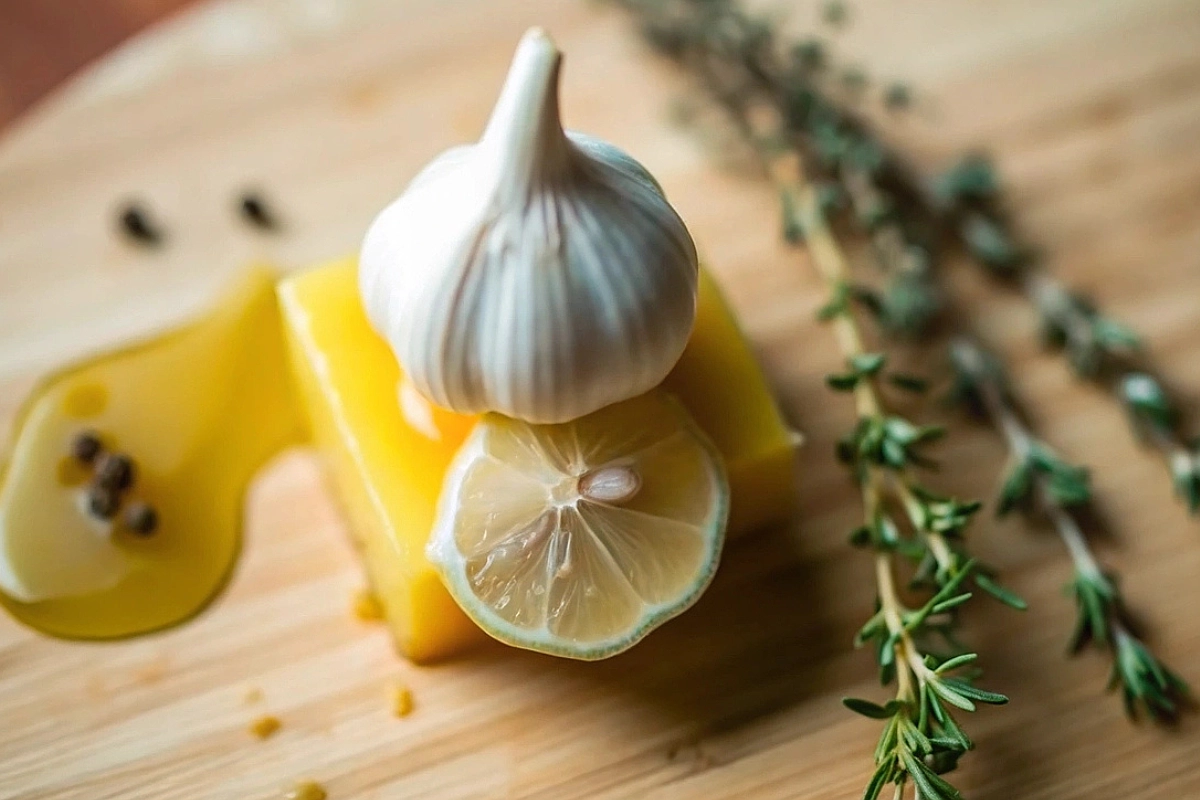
(917, 685)
(740, 61)
(938, 545)
(1097, 347)
(969, 356)
(893, 612)
(787, 174)
(1056, 488)
(740, 67)
(916, 706)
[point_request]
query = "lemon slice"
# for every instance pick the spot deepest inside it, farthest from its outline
(579, 538)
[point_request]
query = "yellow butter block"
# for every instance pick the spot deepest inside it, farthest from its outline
(386, 449)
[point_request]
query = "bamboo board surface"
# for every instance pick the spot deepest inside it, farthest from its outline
(1093, 109)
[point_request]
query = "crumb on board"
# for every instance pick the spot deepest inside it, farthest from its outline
(306, 790)
(253, 695)
(265, 726)
(366, 606)
(402, 700)
(364, 96)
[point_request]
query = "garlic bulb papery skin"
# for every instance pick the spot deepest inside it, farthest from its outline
(538, 273)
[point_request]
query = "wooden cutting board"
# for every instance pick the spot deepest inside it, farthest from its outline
(1093, 107)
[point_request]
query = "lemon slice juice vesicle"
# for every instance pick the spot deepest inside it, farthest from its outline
(579, 538)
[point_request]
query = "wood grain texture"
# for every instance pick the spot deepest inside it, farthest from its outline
(1093, 108)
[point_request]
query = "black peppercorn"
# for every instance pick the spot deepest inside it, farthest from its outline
(138, 225)
(141, 519)
(86, 446)
(255, 211)
(114, 471)
(102, 503)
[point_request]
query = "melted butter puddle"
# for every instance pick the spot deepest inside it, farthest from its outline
(198, 410)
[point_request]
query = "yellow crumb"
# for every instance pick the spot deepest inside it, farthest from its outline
(306, 790)
(366, 606)
(265, 726)
(253, 696)
(402, 700)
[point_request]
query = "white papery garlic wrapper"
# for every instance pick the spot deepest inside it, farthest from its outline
(538, 273)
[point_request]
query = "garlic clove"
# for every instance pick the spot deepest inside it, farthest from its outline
(538, 273)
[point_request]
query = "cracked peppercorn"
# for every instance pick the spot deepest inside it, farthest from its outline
(114, 471)
(86, 446)
(102, 503)
(141, 518)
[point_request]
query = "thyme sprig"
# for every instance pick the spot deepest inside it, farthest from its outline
(1040, 481)
(921, 739)
(910, 301)
(737, 55)
(904, 520)
(1098, 347)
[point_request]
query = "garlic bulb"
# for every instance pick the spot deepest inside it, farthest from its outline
(538, 273)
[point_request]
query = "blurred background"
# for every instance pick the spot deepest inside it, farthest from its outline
(44, 41)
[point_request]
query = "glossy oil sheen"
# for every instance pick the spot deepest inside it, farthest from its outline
(200, 409)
